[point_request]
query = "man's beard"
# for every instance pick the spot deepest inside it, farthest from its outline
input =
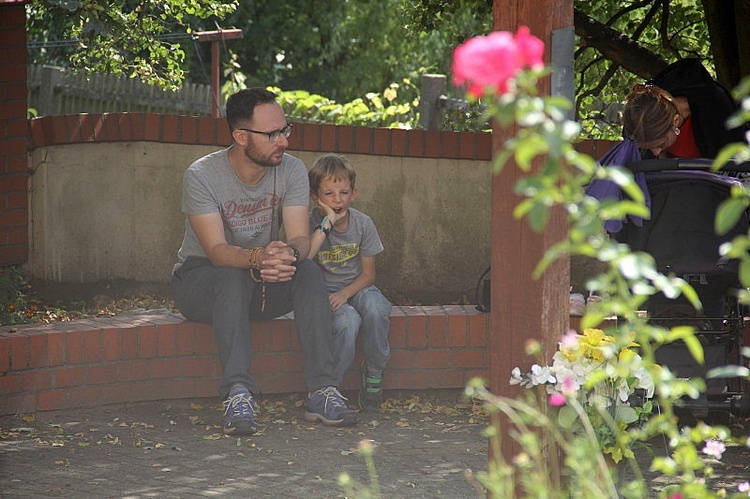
(251, 153)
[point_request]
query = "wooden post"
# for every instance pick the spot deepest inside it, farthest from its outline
(432, 88)
(523, 308)
(215, 37)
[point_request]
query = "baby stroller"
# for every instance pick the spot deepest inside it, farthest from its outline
(680, 235)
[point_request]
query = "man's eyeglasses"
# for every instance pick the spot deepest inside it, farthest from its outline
(273, 136)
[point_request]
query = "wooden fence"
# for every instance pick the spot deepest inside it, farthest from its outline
(53, 91)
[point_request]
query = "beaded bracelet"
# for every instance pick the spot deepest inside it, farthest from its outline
(255, 265)
(254, 257)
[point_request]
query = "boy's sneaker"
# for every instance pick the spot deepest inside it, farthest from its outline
(327, 406)
(371, 392)
(238, 415)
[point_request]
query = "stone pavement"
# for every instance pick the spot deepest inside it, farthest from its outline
(426, 444)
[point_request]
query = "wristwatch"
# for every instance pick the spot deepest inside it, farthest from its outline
(296, 255)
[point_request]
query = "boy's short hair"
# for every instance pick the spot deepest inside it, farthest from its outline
(334, 166)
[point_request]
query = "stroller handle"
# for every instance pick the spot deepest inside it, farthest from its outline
(657, 165)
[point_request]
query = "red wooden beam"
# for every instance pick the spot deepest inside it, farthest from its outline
(215, 37)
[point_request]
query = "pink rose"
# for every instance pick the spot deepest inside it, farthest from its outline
(489, 62)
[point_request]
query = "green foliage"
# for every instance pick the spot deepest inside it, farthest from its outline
(13, 305)
(121, 37)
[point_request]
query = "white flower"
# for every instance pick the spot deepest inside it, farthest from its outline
(744, 487)
(540, 375)
(515, 377)
(714, 448)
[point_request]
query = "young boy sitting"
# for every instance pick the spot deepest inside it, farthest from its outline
(344, 243)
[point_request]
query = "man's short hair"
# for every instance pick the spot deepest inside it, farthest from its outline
(241, 105)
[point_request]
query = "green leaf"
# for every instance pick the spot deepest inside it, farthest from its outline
(729, 214)
(567, 417)
(728, 372)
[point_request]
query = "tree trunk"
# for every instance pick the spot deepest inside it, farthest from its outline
(722, 29)
(617, 47)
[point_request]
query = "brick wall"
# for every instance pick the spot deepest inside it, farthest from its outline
(153, 357)
(14, 242)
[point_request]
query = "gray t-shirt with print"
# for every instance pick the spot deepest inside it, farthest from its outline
(251, 213)
(341, 253)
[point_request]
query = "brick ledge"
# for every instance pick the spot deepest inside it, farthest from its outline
(132, 358)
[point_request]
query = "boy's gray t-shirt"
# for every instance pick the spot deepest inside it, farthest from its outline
(210, 185)
(341, 253)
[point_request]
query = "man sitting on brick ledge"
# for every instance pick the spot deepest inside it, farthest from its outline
(233, 269)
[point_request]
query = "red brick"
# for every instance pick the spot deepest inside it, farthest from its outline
(184, 341)
(402, 359)
(74, 347)
(170, 128)
(166, 368)
(148, 341)
(416, 140)
(206, 131)
(432, 144)
(437, 326)
(188, 130)
(328, 138)
(260, 336)
(69, 376)
(468, 358)
(449, 141)
(398, 142)
(483, 146)
(291, 361)
(18, 403)
(199, 367)
(363, 139)
(52, 400)
(129, 345)
(152, 127)
(101, 374)
(381, 143)
(223, 137)
(203, 340)
(150, 389)
(92, 344)
(409, 379)
(281, 382)
(10, 383)
(478, 331)
(111, 344)
(204, 387)
(346, 139)
(39, 379)
(432, 358)
(37, 350)
(4, 355)
(137, 126)
(416, 336)
(397, 336)
(165, 341)
(266, 362)
(466, 145)
(19, 352)
(88, 124)
(457, 330)
(279, 341)
(133, 371)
